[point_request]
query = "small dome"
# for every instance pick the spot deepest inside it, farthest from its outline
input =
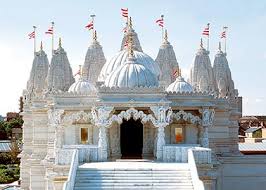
(179, 85)
(82, 86)
(120, 59)
(130, 75)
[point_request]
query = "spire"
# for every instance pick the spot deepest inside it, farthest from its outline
(130, 31)
(130, 23)
(219, 47)
(94, 36)
(165, 37)
(201, 43)
(60, 42)
(179, 73)
(80, 71)
(130, 46)
(41, 47)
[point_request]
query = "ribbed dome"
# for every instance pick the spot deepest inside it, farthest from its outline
(201, 76)
(179, 85)
(167, 61)
(60, 76)
(82, 86)
(94, 61)
(38, 74)
(130, 75)
(222, 74)
(120, 59)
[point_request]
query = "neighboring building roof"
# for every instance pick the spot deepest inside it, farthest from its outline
(5, 145)
(258, 147)
(244, 118)
(252, 129)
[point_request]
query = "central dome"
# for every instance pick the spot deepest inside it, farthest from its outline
(120, 59)
(130, 75)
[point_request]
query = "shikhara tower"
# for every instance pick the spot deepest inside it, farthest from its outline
(132, 107)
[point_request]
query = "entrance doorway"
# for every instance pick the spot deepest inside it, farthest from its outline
(131, 138)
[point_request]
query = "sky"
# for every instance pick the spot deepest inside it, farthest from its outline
(184, 20)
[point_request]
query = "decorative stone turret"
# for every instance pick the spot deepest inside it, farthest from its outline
(94, 61)
(201, 74)
(38, 74)
(60, 75)
(131, 31)
(167, 61)
(222, 74)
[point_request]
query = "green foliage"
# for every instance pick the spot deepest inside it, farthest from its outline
(9, 158)
(6, 126)
(9, 173)
(257, 134)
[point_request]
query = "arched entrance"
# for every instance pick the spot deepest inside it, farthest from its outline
(131, 138)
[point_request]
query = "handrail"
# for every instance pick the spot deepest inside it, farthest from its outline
(197, 183)
(69, 184)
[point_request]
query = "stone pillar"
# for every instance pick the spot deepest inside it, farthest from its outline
(54, 119)
(207, 120)
(160, 142)
(100, 116)
(102, 144)
(162, 115)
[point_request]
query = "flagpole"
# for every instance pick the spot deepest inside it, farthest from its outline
(52, 38)
(34, 46)
(92, 18)
(225, 29)
(162, 16)
(208, 39)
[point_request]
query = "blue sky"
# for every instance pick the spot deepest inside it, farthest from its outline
(184, 20)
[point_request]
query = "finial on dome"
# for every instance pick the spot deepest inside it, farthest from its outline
(60, 42)
(130, 45)
(165, 36)
(94, 35)
(130, 22)
(41, 47)
(219, 47)
(201, 43)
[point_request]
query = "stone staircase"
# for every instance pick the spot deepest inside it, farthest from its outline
(133, 175)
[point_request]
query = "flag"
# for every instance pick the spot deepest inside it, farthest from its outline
(206, 31)
(160, 21)
(50, 31)
(223, 34)
(126, 44)
(175, 72)
(31, 35)
(124, 12)
(89, 26)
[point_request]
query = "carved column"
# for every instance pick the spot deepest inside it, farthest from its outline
(207, 120)
(54, 119)
(162, 115)
(100, 116)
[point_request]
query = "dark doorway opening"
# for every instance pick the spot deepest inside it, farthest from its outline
(131, 138)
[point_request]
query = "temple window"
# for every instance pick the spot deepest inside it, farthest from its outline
(179, 136)
(84, 135)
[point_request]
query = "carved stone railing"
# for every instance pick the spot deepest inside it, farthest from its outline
(86, 152)
(179, 153)
(202, 155)
(69, 184)
(197, 183)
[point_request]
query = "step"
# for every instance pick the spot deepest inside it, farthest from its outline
(132, 181)
(135, 178)
(129, 188)
(132, 184)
